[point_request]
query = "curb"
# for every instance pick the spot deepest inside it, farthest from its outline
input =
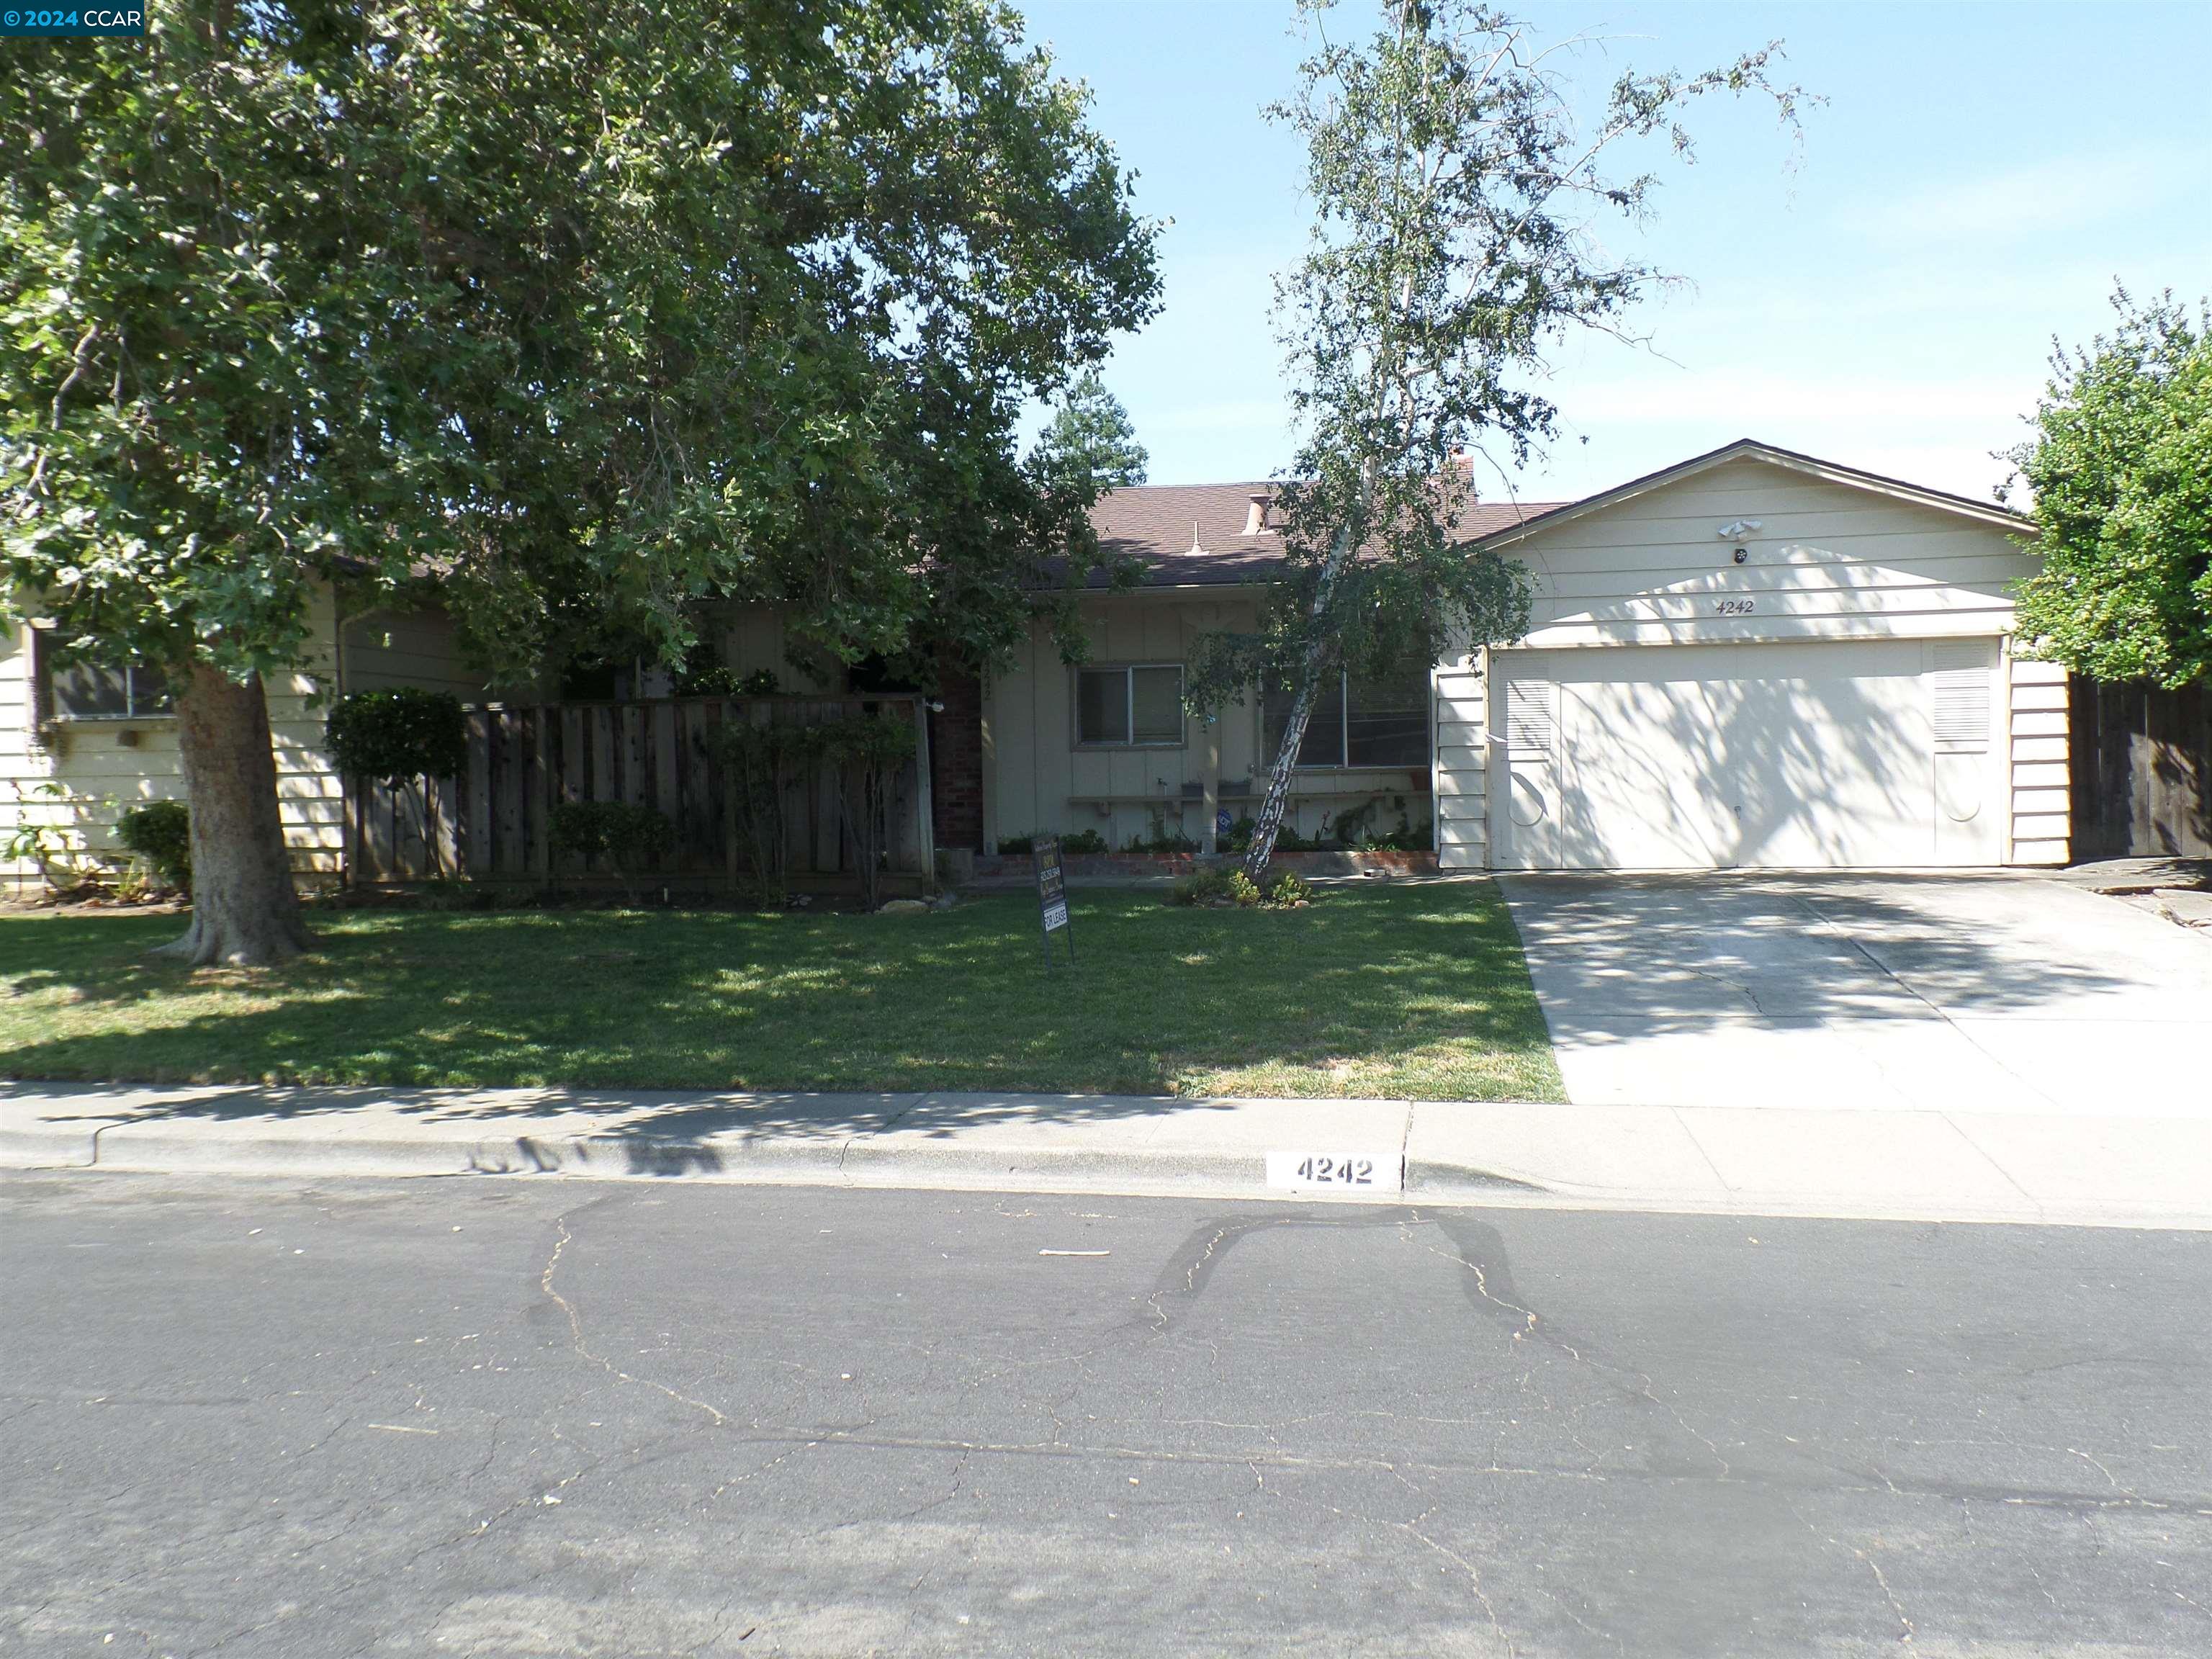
(2089, 1176)
(858, 1161)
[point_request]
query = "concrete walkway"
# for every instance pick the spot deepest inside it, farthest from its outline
(1965, 995)
(2114, 1168)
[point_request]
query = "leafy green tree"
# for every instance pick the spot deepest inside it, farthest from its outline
(1090, 442)
(585, 318)
(2121, 469)
(1454, 189)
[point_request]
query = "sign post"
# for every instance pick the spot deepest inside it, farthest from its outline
(1052, 895)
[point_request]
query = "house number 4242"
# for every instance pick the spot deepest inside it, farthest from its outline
(1733, 607)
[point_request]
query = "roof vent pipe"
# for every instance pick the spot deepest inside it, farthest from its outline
(1256, 515)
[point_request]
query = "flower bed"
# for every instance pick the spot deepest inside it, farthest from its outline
(997, 869)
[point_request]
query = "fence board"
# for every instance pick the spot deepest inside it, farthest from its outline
(477, 808)
(2142, 770)
(491, 821)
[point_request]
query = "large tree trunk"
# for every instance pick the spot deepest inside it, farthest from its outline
(245, 913)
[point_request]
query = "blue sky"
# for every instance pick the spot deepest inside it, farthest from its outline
(1884, 295)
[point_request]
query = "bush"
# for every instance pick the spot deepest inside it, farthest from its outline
(406, 733)
(1083, 841)
(160, 834)
(1290, 889)
(624, 835)
(1199, 886)
(1165, 841)
(1242, 888)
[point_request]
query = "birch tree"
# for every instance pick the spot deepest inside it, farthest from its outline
(1457, 188)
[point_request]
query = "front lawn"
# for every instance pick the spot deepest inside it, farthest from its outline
(1407, 992)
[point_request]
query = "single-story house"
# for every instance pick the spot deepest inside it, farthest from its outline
(1752, 658)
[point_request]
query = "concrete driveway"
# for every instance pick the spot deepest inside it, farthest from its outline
(1893, 992)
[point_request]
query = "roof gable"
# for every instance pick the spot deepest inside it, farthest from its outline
(1986, 512)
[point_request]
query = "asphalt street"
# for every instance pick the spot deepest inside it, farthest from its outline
(541, 1417)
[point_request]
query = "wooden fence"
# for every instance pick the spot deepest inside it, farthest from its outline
(2141, 770)
(491, 823)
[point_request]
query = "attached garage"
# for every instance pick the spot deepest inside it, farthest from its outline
(1876, 752)
(1756, 660)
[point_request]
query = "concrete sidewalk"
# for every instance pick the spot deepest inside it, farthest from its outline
(2109, 1169)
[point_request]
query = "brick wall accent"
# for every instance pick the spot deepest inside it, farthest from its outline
(955, 759)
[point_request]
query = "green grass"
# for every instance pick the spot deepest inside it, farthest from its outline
(1405, 992)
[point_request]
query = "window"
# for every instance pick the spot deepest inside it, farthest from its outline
(1358, 721)
(98, 691)
(1138, 704)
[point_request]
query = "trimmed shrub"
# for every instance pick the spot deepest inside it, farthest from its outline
(160, 834)
(1082, 840)
(405, 733)
(1290, 889)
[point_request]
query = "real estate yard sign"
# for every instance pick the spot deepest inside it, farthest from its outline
(1052, 894)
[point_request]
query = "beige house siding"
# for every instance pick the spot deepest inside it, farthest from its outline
(1828, 560)
(754, 638)
(110, 766)
(1036, 777)
(1462, 763)
(2041, 806)
(389, 648)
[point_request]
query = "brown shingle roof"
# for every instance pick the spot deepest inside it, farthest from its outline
(1155, 523)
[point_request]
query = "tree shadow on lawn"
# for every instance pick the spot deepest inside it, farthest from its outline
(873, 1011)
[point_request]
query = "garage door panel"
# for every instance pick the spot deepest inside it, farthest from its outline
(1675, 825)
(1720, 756)
(1837, 770)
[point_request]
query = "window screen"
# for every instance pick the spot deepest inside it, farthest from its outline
(1324, 739)
(1102, 705)
(1387, 722)
(1156, 705)
(96, 691)
(1142, 704)
(1384, 721)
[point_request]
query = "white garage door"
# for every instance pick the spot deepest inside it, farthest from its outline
(1873, 752)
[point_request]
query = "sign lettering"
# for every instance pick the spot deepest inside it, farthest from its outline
(1052, 895)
